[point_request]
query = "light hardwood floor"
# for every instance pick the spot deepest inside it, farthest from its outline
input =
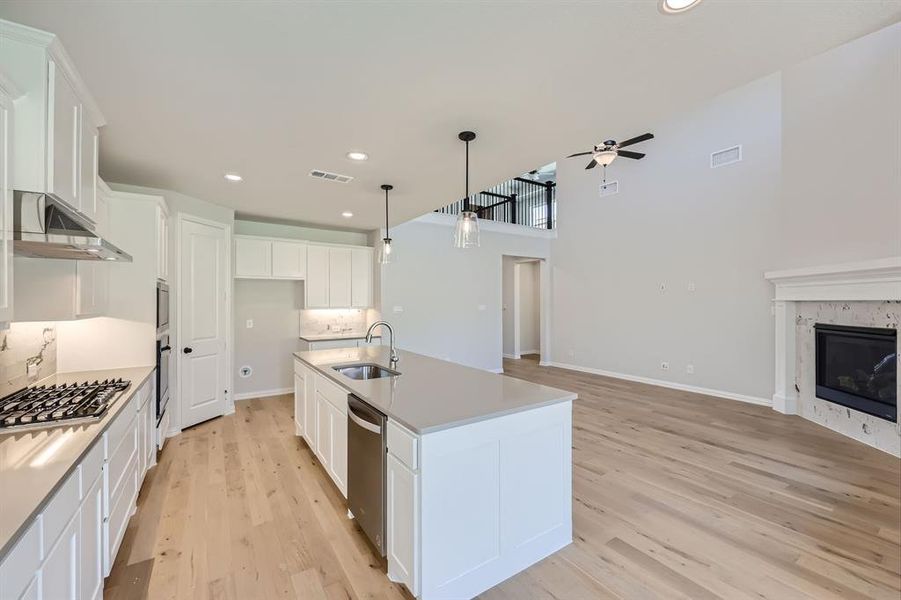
(675, 495)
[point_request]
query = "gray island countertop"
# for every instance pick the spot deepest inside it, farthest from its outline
(34, 462)
(432, 394)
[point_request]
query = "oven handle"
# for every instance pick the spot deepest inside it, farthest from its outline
(364, 424)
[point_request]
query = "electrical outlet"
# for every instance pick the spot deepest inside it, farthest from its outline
(246, 371)
(691, 286)
(398, 309)
(690, 369)
(249, 324)
(662, 287)
(664, 366)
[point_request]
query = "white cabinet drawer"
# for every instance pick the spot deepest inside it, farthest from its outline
(121, 425)
(121, 504)
(331, 392)
(121, 458)
(61, 508)
(92, 465)
(20, 565)
(404, 445)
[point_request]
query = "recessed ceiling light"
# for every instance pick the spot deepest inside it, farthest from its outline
(347, 214)
(672, 7)
(357, 155)
(233, 177)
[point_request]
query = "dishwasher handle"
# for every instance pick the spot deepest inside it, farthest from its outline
(363, 423)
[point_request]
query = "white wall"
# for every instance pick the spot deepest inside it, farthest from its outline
(674, 222)
(451, 298)
(267, 347)
(820, 183)
(841, 152)
(529, 303)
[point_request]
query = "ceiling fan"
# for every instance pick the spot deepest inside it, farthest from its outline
(607, 151)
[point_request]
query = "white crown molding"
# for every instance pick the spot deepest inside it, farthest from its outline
(54, 48)
(876, 280)
(446, 220)
(661, 383)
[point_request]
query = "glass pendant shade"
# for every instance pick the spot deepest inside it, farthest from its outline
(385, 256)
(466, 232)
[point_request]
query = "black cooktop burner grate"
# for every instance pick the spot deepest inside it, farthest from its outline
(44, 406)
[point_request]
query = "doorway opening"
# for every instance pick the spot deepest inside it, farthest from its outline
(523, 307)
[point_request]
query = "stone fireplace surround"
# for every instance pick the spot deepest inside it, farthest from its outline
(864, 293)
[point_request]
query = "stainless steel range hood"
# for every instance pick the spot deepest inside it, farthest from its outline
(44, 227)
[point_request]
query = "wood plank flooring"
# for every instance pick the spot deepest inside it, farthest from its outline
(675, 495)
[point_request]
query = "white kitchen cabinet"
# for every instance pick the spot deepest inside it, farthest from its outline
(300, 405)
(64, 127)
(323, 446)
(253, 257)
(310, 432)
(61, 572)
(403, 523)
(289, 260)
(316, 286)
(331, 431)
(162, 243)
(6, 205)
(361, 266)
(92, 541)
(88, 165)
(338, 459)
(92, 288)
(56, 119)
(339, 277)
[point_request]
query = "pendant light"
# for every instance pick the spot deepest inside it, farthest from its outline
(385, 255)
(466, 232)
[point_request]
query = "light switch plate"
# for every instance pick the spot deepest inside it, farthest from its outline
(249, 324)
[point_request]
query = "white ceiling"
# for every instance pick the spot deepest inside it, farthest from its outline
(272, 90)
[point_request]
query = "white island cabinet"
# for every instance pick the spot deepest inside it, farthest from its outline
(479, 466)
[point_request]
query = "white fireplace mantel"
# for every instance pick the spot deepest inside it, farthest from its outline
(872, 280)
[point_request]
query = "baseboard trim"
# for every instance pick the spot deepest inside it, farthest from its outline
(263, 394)
(667, 384)
(499, 370)
(512, 356)
(544, 363)
(521, 352)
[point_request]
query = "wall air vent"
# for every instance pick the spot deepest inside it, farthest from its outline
(725, 157)
(325, 175)
(609, 188)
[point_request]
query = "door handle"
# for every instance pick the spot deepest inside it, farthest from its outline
(188, 350)
(364, 424)
(165, 348)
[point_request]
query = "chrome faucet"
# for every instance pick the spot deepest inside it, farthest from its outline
(390, 332)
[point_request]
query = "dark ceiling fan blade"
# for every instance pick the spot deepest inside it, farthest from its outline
(630, 154)
(579, 154)
(592, 164)
(635, 140)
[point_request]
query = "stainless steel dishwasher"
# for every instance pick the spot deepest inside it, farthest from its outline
(366, 469)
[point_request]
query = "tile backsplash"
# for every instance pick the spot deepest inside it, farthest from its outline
(26, 345)
(333, 320)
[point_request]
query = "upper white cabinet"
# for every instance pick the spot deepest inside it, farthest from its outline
(6, 204)
(269, 258)
(56, 119)
(289, 260)
(162, 242)
(338, 276)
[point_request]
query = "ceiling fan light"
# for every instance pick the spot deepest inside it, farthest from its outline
(605, 157)
(466, 231)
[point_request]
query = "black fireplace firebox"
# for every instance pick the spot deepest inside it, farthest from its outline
(857, 367)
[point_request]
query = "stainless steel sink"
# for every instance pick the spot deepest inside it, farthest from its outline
(362, 371)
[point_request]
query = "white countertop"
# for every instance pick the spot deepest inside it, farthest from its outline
(34, 462)
(431, 394)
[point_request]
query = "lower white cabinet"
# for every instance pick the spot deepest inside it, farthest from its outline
(299, 403)
(330, 444)
(403, 523)
(71, 545)
(61, 573)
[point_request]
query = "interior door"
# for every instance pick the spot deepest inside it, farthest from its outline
(203, 281)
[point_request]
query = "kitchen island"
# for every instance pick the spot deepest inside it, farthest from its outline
(479, 466)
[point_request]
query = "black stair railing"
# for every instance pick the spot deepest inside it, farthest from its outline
(520, 201)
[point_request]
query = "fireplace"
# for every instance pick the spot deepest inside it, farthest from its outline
(857, 367)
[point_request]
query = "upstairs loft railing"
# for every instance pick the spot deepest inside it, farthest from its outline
(519, 201)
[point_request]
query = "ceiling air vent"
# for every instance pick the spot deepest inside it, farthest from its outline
(725, 157)
(330, 176)
(609, 188)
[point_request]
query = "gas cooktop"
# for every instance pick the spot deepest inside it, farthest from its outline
(46, 406)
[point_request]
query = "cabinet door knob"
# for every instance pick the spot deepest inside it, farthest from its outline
(188, 350)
